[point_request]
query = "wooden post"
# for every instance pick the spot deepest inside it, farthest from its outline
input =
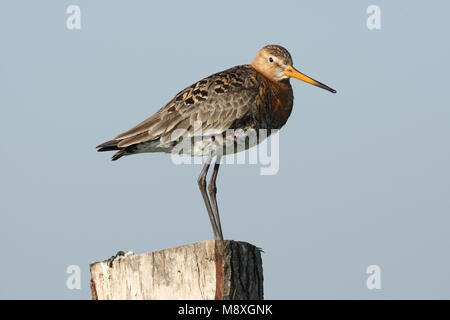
(221, 270)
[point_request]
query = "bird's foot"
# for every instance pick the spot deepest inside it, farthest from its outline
(119, 255)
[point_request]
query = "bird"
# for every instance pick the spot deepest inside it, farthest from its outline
(218, 111)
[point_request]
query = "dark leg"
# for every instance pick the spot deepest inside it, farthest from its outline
(202, 185)
(212, 194)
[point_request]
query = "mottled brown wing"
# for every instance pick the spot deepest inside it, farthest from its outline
(213, 104)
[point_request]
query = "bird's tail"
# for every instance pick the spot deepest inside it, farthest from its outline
(118, 155)
(111, 146)
(108, 146)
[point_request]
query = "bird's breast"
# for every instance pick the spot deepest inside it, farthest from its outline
(277, 105)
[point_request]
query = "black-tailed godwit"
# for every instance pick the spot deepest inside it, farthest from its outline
(215, 111)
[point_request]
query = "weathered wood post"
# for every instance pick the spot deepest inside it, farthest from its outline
(221, 270)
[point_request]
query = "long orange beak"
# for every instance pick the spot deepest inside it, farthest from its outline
(290, 71)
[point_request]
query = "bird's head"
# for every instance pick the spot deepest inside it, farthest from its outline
(275, 63)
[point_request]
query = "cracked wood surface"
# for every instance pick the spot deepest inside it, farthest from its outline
(227, 270)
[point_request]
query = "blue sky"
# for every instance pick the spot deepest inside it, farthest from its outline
(363, 177)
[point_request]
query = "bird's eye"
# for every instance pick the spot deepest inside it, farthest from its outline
(271, 60)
